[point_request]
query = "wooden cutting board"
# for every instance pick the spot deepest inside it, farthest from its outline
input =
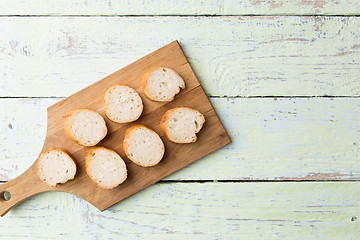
(211, 137)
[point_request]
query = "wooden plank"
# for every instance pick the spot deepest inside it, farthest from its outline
(301, 138)
(156, 7)
(309, 210)
(292, 7)
(232, 56)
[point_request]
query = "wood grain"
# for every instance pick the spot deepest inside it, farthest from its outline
(246, 56)
(232, 56)
(177, 156)
(273, 139)
(156, 7)
(308, 210)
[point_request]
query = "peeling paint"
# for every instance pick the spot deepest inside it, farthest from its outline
(273, 139)
(223, 211)
(232, 56)
(209, 7)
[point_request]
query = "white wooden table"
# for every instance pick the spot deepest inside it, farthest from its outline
(284, 77)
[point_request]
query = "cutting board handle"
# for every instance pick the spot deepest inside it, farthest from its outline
(20, 188)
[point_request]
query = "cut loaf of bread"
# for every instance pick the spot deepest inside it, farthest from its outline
(85, 126)
(143, 146)
(181, 124)
(122, 104)
(161, 84)
(56, 166)
(105, 167)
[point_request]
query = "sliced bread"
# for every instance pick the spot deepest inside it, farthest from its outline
(85, 126)
(161, 84)
(105, 167)
(143, 146)
(122, 104)
(56, 166)
(181, 124)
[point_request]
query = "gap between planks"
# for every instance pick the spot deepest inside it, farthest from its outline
(187, 15)
(222, 96)
(245, 181)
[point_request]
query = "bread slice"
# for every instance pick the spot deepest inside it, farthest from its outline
(143, 146)
(105, 167)
(161, 84)
(85, 126)
(181, 124)
(122, 104)
(56, 166)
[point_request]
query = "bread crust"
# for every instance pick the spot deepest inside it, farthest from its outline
(144, 83)
(54, 149)
(88, 158)
(67, 122)
(125, 144)
(105, 104)
(165, 118)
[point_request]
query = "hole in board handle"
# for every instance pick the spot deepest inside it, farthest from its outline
(6, 195)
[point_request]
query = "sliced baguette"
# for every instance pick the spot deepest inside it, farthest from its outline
(122, 104)
(143, 146)
(161, 84)
(85, 126)
(181, 124)
(105, 167)
(56, 166)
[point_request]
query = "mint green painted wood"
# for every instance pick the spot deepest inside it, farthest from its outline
(308, 210)
(300, 138)
(292, 7)
(232, 56)
(273, 139)
(179, 7)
